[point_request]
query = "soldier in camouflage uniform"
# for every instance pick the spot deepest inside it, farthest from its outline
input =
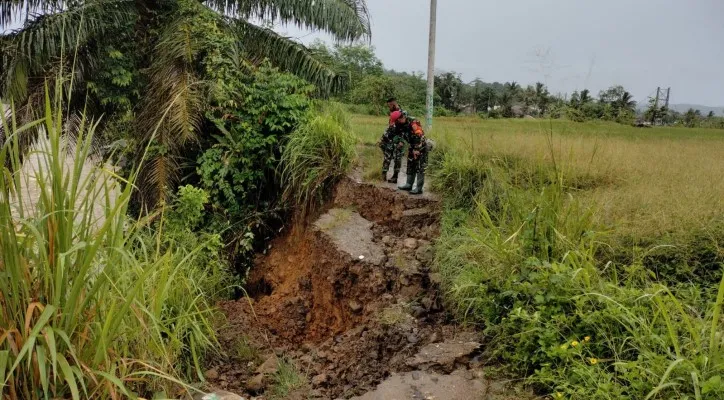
(392, 145)
(411, 130)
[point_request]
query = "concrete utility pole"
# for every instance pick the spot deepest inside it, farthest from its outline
(431, 64)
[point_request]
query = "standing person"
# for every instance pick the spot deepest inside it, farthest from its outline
(392, 104)
(392, 145)
(411, 130)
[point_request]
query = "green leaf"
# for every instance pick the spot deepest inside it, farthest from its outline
(69, 376)
(713, 385)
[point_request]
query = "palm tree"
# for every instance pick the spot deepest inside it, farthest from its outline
(506, 100)
(173, 41)
(585, 97)
(513, 88)
(626, 102)
(542, 96)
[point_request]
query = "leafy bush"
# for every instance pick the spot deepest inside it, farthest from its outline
(251, 120)
(89, 309)
(316, 156)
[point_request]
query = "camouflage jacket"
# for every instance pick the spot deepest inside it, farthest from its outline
(413, 134)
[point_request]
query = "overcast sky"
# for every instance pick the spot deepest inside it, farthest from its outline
(568, 44)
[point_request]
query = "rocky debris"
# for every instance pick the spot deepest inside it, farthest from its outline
(420, 385)
(413, 216)
(351, 234)
(445, 356)
(355, 306)
(410, 243)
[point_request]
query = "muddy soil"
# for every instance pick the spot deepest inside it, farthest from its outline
(354, 301)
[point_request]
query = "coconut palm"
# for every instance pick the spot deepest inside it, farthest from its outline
(542, 96)
(173, 42)
(626, 102)
(513, 88)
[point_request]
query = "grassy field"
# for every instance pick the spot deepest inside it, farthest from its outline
(645, 182)
(590, 254)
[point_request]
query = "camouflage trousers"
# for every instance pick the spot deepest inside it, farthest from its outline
(416, 165)
(392, 152)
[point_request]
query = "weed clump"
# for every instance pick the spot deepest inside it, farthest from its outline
(315, 157)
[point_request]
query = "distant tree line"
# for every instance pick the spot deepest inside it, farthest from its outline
(371, 84)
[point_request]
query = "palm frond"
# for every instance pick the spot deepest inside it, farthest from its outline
(13, 11)
(158, 173)
(172, 111)
(27, 51)
(344, 19)
(285, 53)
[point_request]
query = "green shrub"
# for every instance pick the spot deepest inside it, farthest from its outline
(252, 117)
(315, 157)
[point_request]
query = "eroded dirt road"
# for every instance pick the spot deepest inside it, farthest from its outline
(354, 302)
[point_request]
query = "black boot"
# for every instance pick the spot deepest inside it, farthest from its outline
(420, 184)
(384, 176)
(394, 177)
(408, 185)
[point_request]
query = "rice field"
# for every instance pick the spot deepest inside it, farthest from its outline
(644, 182)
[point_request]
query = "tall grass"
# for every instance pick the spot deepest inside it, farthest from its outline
(519, 254)
(87, 310)
(314, 158)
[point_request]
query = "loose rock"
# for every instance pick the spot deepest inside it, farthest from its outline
(269, 367)
(220, 395)
(256, 384)
(410, 243)
(425, 254)
(442, 356)
(320, 379)
(212, 374)
(355, 306)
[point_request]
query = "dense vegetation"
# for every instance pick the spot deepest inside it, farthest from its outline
(594, 267)
(562, 242)
(113, 274)
(372, 84)
(97, 304)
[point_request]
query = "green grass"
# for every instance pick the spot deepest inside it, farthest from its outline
(315, 157)
(588, 253)
(287, 379)
(246, 351)
(369, 126)
(91, 307)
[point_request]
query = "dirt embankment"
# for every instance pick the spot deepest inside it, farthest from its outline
(353, 301)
